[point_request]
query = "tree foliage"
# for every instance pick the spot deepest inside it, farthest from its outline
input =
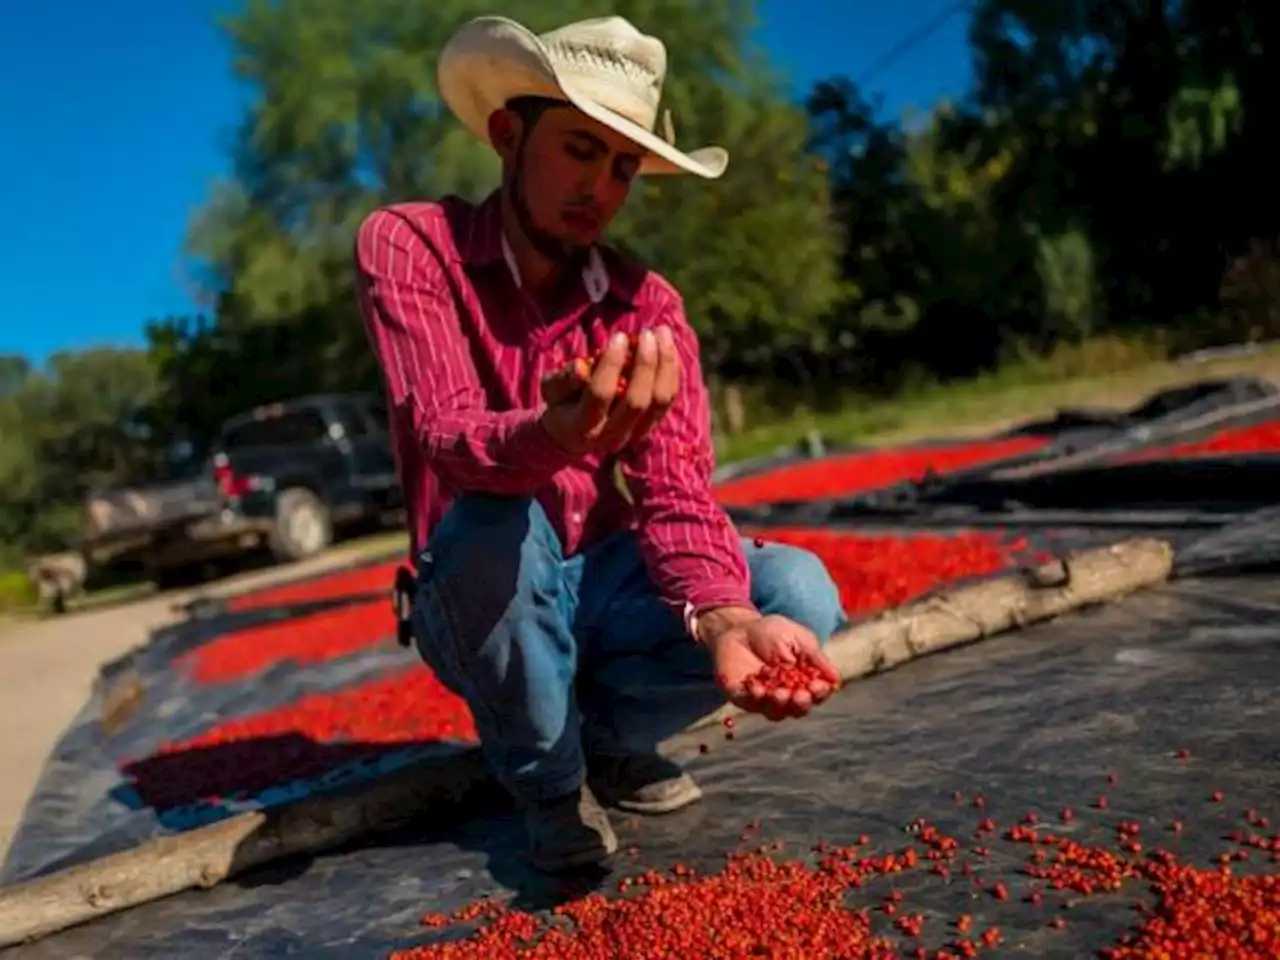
(347, 117)
(65, 430)
(1110, 170)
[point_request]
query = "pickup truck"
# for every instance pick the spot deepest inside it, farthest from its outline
(164, 523)
(285, 476)
(300, 469)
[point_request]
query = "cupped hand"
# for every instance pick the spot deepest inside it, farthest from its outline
(586, 412)
(741, 649)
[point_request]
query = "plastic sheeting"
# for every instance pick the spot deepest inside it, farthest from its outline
(1034, 719)
(1163, 414)
(84, 806)
(1082, 478)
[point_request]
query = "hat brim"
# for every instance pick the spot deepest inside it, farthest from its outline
(492, 60)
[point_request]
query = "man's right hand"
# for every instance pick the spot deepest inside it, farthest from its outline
(585, 414)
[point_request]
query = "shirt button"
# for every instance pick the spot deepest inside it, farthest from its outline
(577, 518)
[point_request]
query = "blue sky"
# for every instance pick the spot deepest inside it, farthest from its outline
(115, 124)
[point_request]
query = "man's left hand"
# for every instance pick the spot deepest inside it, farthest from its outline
(741, 642)
(586, 413)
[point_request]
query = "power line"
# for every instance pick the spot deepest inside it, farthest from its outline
(913, 39)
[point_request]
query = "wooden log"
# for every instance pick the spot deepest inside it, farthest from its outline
(961, 616)
(121, 703)
(209, 855)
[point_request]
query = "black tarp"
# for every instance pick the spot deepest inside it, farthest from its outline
(1162, 415)
(1034, 719)
(1085, 476)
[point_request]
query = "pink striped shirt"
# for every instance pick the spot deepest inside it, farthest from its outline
(463, 389)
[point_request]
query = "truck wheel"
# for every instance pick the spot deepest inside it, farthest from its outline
(303, 526)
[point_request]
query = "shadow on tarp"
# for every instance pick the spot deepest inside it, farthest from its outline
(201, 784)
(1034, 720)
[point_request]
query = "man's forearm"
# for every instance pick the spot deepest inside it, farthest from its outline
(507, 453)
(693, 553)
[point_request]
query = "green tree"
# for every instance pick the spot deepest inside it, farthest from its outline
(1142, 124)
(937, 275)
(63, 431)
(14, 370)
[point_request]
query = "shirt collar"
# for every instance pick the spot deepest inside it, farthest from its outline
(481, 241)
(595, 276)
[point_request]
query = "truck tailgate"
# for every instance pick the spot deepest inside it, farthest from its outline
(149, 508)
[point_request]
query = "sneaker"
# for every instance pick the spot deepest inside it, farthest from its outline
(641, 782)
(569, 832)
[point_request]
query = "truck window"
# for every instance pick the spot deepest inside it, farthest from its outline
(297, 428)
(183, 460)
(376, 411)
(364, 417)
(353, 419)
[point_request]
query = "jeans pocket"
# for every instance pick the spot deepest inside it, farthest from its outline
(434, 632)
(442, 644)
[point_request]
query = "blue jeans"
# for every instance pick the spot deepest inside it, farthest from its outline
(550, 652)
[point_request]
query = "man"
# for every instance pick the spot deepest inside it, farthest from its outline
(569, 616)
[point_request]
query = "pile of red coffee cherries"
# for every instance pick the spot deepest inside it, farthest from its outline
(373, 579)
(243, 756)
(1260, 438)
(843, 902)
(310, 639)
(852, 474)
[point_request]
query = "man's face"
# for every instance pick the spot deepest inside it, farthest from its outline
(571, 173)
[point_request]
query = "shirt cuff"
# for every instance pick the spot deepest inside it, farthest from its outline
(691, 620)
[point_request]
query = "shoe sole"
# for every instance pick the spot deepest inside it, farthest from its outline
(677, 801)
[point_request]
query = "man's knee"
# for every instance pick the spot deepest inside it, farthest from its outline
(795, 584)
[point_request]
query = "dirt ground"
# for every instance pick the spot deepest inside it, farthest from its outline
(48, 667)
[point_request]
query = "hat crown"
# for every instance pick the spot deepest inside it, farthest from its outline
(605, 68)
(627, 68)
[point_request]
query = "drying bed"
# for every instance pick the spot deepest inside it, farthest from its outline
(1046, 792)
(1163, 705)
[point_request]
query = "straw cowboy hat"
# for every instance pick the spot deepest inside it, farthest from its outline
(605, 67)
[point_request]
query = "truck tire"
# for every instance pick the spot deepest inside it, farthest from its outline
(303, 526)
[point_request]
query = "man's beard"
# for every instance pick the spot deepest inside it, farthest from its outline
(547, 245)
